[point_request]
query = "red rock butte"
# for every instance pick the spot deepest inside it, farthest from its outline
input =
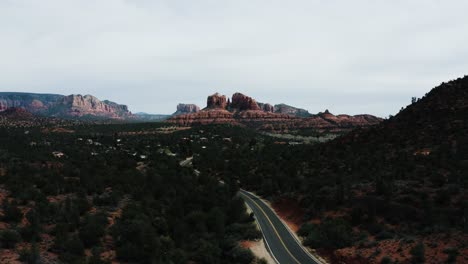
(244, 110)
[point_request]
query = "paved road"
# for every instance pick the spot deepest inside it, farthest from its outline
(282, 244)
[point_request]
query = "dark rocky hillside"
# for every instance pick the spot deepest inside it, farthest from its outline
(406, 176)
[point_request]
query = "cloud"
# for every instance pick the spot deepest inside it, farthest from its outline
(349, 56)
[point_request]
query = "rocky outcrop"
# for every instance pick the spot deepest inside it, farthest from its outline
(64, 106)
(246, 111)
(216, 101)
(241, 102)
(186, 109)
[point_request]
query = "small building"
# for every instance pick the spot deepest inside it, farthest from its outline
(422, 152)
(58, 154)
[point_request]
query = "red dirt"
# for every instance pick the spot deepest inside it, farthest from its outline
(290, 211)
(246, 244)
(434, 247)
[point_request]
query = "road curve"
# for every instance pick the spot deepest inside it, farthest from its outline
(281, 243)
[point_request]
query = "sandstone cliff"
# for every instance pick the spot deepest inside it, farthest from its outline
(64, 106)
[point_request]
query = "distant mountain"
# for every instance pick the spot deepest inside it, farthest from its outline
(140, 116)
(71, 106)
(242, 109)
(291, 110)
(186, 109)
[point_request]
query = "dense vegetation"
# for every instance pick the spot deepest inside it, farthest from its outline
(113, 190)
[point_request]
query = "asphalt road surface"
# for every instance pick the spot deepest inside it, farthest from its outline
(281, 243)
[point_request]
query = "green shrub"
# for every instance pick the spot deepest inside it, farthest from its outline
(305, 229)
(30, 255)
(9, 238)
(417, 253)
(11, 213)
(331, 234)
(386, 260)
(452, 254)
(241, 255)
(74, 246)
(93, 229)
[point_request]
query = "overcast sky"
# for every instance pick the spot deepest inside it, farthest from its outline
(346, 56)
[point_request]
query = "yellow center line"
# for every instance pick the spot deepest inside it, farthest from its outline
(273, 226)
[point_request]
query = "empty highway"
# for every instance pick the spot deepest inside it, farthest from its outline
(281, 243)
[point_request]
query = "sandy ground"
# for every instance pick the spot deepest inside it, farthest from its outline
(258, 248)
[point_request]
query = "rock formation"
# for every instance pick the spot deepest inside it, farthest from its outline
(78, 105)
(216, 101)
(241, 102)
(64, 106)
(207, 116)
(267, 108)
(186, 109)
(245, 110)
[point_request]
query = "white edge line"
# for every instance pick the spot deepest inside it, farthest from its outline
(263, 235)
(289, 230)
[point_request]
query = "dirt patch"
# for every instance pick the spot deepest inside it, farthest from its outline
(9, 256)
(258, 248)
(57, 198)
(290, 211)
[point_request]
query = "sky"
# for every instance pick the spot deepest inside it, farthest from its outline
(353, 57)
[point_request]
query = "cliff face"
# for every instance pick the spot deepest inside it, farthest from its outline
(64, 106)
(28, 101)
(246, 111)
(78, 105)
